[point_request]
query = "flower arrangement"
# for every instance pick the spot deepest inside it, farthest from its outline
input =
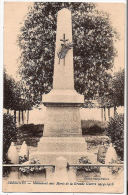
(85, 160)
(115, 170)
(23, 159)
(31, 169)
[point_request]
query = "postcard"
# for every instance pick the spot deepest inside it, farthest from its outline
(63, 100)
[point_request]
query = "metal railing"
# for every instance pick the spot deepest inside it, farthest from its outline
(96, 165)
(69, 165)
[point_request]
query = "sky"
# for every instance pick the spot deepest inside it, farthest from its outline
(14, 15)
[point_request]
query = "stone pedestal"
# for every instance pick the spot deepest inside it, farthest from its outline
(62, 113)
(62, 122)
(71, 148)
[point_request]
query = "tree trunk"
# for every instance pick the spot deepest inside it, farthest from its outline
(104, 114)
(109, 113)
(7, 111)
(115, 111)
(22, 116)
(19, 117)
(27, 116)
(15, 116)
(102, 118)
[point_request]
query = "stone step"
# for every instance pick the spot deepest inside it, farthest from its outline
(71, 157)
(71, 148)
(62, 144)
(63, 139)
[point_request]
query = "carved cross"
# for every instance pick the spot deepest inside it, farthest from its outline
(64, 40)
(64, 49)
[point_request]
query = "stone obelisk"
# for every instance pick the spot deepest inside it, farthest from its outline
(62, 102)
(62, 134)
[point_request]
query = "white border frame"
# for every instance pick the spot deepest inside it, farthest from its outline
(1, 87)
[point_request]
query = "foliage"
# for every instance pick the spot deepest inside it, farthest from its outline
(16, 95)
(30, 133)
(92, 127)
(32, 169)
(94, 142)
(115, 131)
(85, 160)
(32, 129)
(22, 159)
(26, 98)
(114, 95)
(11, 92)
(93, 40)
(9, 133)
(6, 171)
(118, 88)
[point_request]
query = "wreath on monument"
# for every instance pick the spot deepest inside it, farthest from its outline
(65, 47)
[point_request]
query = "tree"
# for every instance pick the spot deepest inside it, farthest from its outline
(9, 133)
(26, 100)
(115, 131)
(11, 94)
(118, 89)
(93, 39)
(16, 97)
(114, 94)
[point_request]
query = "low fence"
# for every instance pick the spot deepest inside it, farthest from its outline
(70, 165)
(61, 171)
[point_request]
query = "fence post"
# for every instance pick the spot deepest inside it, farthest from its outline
(61, 169)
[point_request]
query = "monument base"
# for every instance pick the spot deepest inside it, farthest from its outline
(71, 148)
(62, 121)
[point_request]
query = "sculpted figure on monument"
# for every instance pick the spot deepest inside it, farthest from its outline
(65, 47)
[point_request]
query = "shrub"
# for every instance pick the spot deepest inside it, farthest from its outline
(86, 160)
(115, 131)
(23, 159)
(92, 127)
(30, 133)
(95, 141)
(9, 133)
(31, 129)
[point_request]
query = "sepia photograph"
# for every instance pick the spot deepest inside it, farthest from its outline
(63, 97)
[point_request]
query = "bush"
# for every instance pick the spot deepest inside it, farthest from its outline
(32, 130)
(115, 131)
(86, 160)
(94, 141)
(30, 133)
(9, 133)
(92, 127)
